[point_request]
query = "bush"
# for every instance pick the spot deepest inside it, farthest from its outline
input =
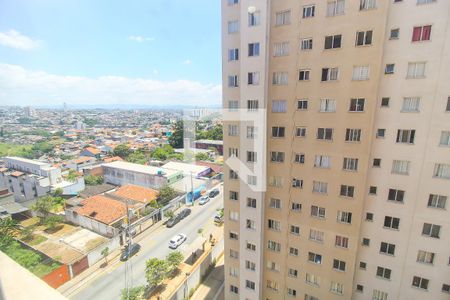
(135, 293)
(93, 180)
(174, 259)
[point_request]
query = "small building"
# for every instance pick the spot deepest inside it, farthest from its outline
(122, 173)
(206, 144)
(90, 151)
(137, 193)
(80, 163)
(8, 206)
(188, 169)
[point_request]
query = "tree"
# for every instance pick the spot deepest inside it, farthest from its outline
(72, 176)
(135, 293)
(58, 192)
(177, 137)
(122, 151)
(137, 157)
(43, 205)
(93, 180)
(52, 221)
(174, 259)
(105, 253)
(8, 227)
(166, 193)
(169, 214)
(203, 157)
(155, 271)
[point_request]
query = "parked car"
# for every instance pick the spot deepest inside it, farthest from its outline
(203, 200)
(173, 221)
(218, 219)
(127, 253)
(184, 213)
(177, 241)
(214, 193)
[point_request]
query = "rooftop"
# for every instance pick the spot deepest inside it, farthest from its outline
(137, 193)
(185, 168)
(28, 161)
(140, 168)
(212, 142)
(102, 209)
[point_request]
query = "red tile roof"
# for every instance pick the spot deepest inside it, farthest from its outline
(93, 150)
(82, 160)
(102, 209)
(137, 193)
(111, 159)
(17, 174)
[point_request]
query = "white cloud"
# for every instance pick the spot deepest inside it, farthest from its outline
(19, 86)
(187, 62)
(15, 39)
(140, 39)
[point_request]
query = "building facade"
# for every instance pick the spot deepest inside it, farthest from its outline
(356, 99)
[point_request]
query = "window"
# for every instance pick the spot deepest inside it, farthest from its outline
(251, 202)
(234, 289)
(299, 158)
(431, 230)
(411, 104)
(306, 44)
(425, 257)
(279, 106)
(275, 203)
(394, 34)
(234, 235)
(300, 132)
(396, 195)
(309, 297)
(276, 156)
(253, 78)
(233, 26)
(420, 282)
(341, 241)
(308, 11)
(297, 183)
(252, 105)
(315, 258)
(362, 265)
(292, 273)
(445, 138)
(416, 70)
(234, 216)
(437, 201)
(357, 104)
(303, 75)
(249, 265)
(253, 49)
(335, 7)
(232, 2)
(405, 136)
(251, 132)
(273, 285)
(381, 132)
(233, 152)
(251, 156)
(322, 161)
(384, 272)
(233, 54)
(400, 167)
(234, 272)
(254, 19)
(312, 279)
(295, 230)
(344, 217)
(391, 222)
(442, 171)
(369, 217)
(350, 164)
(330, 74)
(364, 38)
(283, 18)
(379, 295)
(291, 292)
(234, 174)
(421, 33)
(296, 206)
(387, 248)
(276, 181)
(277, 132)
(389, 69)
(273, 266)
(233, 81)
(333, 41)
(316, 235)
(352, 135)
(359, 288)
(360, 73)
(338, 265)
(385, 102)
(281, 49)
(347, 190)
(274, 246)
(327, 105)
(447, 108)
(445, 288)
(293, 251)
(233, 105)
(376, 162)
(320, 187)
(302, 104)
(367, 4)
(318, 212)
(273, 224)
(250, 284)
(425, 1)
(234, 195)
(250, 246)
(280, 78)
(325, 134)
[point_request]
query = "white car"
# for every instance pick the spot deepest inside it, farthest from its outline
(203, 200)
(177, 241)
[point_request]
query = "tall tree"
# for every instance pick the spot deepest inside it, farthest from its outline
(176, 139)
(155, 271)
(7, 229)
(122, 151)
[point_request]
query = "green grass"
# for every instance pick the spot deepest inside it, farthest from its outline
(42, 269)
(36, 239)
(14, 150)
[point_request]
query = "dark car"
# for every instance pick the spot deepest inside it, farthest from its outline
(184, 213)
(129, 252)
(173, 221)
(214, 193)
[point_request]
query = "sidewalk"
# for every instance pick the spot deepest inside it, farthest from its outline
(212, 287)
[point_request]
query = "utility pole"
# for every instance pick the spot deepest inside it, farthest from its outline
(128, 265)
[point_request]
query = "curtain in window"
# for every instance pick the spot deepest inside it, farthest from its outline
(426, 33)
(416, 34)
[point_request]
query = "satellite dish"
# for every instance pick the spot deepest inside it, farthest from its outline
(251, 9)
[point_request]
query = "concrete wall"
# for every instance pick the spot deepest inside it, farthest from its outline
(121, 177)
(91, 224)
(96, 255)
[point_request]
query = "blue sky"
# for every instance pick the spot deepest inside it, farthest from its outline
(105, 51)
